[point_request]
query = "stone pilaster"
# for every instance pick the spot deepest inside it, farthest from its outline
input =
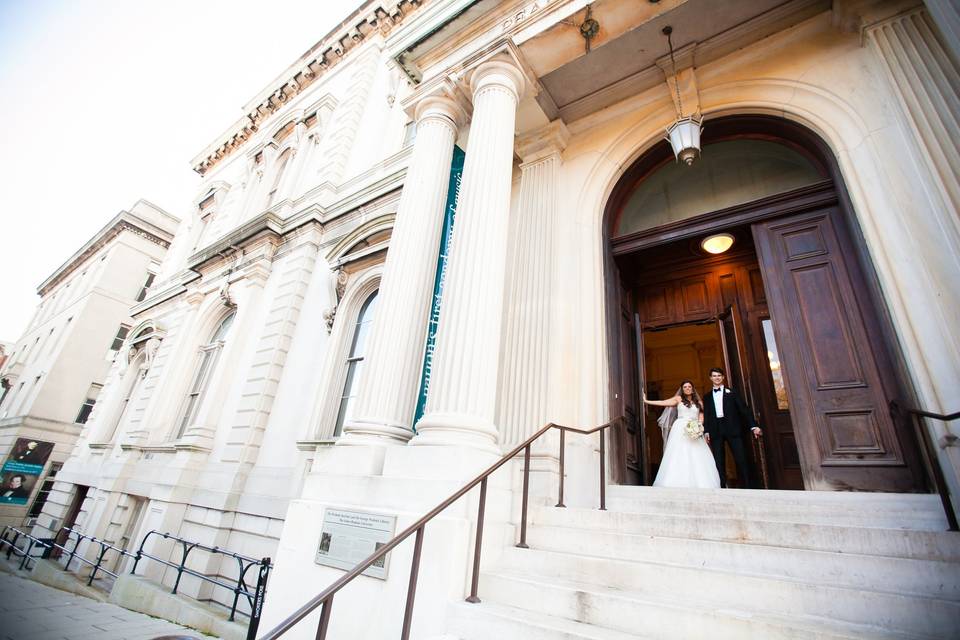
(263, 377)
(524, 377)
(388, 392)
(927, 85)
(461, 403)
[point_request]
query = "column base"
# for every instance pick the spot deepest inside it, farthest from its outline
(456, 429)
(373, 432)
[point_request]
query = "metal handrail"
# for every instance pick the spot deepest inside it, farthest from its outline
(326, 596)
(245, 563)
(25, 553)
(933, 461)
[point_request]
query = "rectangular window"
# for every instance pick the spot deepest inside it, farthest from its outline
(120, 337)
(409, 133)
(87, 407)
(146, 286)
(37, 507)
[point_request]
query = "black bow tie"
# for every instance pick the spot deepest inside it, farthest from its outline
(718, 390)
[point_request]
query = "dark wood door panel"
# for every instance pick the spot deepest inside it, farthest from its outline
(834, 365)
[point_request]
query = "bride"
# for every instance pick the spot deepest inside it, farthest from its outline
(686, 462)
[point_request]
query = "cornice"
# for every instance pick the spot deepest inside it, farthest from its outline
(123, 221)
(372, 18)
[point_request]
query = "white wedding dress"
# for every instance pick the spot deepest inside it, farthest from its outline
(686, 462)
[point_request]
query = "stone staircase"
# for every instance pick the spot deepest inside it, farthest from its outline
(725, 564)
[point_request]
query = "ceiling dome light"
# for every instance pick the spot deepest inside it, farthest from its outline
(717, 243)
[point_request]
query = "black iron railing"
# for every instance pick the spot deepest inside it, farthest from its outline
(240, 587)
(930, 454)
(26, 554)
(254, 595)
(324, 600)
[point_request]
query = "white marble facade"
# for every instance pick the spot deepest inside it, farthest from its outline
(317, 196)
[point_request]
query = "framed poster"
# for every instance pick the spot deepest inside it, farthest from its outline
(22, 469)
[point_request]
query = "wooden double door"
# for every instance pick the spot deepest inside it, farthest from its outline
(799, 332)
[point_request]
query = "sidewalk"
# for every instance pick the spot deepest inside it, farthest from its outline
(32, 611)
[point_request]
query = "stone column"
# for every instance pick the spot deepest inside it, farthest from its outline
(524, 379)
(388, 392)
(927, 85)
(463, 388)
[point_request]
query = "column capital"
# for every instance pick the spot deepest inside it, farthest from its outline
(443, 107)
(499, 72)
(543, 142)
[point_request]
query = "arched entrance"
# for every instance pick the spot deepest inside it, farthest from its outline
(791, 310)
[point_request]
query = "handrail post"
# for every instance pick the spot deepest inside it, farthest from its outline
(475, 582)
(257, 606)
(13, 543)
(73, 554)
(324, 618)
(563, 437)
(183, 562)
(26, 553)
(96, 567)
(603, 471)
(526, 494)
(412, 585)
(937, 471)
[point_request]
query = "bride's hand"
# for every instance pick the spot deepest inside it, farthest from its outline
(644, 394)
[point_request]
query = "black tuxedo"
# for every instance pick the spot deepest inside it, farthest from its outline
(728, 429)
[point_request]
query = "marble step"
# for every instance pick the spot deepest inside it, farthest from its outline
(922, 545)
(719, 589)
(924, 578)
(895, 511)
(485, 621)
(668, 615)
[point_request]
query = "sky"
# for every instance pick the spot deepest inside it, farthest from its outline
(104, 102)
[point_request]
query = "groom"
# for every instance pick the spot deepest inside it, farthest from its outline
(724, 414)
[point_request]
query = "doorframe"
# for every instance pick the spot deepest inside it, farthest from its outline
(829, 192)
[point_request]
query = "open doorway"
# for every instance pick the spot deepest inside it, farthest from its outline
(791, 298)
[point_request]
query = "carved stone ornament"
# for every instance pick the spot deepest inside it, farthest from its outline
(329, 316)
(339, 287)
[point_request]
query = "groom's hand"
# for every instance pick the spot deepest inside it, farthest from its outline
(757, 432)
(706, 437)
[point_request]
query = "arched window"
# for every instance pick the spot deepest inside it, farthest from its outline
(358, 350)
(209, 354)
(282, 162)
(729, 173)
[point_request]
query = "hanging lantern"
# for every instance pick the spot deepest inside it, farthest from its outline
(684, 134)
(684, 137)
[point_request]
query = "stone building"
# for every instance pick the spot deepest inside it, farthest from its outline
(54, 372)
(301, 367)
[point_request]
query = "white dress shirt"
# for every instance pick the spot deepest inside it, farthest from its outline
(718, 400)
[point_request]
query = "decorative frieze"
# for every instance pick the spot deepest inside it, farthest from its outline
(324, 56)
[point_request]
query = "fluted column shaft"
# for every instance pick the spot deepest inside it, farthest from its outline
(463, 388)
(388, 389)
(525, 371)
(927, 84)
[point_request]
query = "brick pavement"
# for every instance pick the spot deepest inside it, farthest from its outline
(32, 611)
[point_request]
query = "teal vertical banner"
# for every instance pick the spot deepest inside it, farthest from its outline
(453, 196)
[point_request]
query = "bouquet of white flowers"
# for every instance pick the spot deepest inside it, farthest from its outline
(694, 430)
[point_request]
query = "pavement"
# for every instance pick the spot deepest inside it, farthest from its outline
(32, 611)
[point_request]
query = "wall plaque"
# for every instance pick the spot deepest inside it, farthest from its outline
(347, 537)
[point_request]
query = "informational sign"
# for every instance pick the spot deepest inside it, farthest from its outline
(446, 239)
(22, 469)
(348, 537)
